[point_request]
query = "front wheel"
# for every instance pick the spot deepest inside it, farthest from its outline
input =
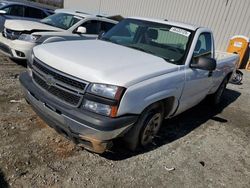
(146, 128)
(150, 129)
(217, 96)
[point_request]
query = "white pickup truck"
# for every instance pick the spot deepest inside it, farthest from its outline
(127, 82)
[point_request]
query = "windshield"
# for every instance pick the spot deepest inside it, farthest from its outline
(61, 20)
(162, 40)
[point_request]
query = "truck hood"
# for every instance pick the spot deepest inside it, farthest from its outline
(27, 25)
(102, 62)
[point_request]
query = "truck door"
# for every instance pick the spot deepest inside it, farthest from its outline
(198, 82)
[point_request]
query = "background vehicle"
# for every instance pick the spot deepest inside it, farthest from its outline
(124, 85)
(20, 36)
(16, 10)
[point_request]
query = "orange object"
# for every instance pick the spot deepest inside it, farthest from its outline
(248, 66)
(239, 44)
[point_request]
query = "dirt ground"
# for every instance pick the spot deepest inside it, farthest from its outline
(206, 147)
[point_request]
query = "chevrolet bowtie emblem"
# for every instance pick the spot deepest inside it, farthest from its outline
(50, 80)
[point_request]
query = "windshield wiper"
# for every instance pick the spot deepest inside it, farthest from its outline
(166, 59)
(147, 51)
(105, 39)
(140, 49)
(108, 40)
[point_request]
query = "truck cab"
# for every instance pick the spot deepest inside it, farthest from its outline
(126, 83)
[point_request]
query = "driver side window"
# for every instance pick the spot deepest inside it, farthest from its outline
(15, 10)
(92, 26)
(203, 46)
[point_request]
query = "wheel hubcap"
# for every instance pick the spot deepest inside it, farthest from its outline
(151, 129)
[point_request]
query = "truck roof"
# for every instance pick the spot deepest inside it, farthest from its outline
(178, 24)
(74, 12)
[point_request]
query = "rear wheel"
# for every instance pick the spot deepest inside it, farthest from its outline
(237, 77)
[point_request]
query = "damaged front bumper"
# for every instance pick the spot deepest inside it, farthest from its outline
(93, 131)
(16, 49)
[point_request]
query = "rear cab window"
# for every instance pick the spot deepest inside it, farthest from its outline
(173, 39)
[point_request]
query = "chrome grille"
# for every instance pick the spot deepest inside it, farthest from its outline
(67, 97)
(59, 85)
(59, 77)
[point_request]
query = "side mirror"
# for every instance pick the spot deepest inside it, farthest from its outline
(2, 12)
(101, 34)
(81, 30)
(204, 63)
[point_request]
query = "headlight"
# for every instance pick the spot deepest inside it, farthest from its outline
(97, 107)
(107, 91)
(103, 99)
(29, 38)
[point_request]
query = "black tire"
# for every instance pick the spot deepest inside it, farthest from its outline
(134, 138)
(216, 97)
(236, 78)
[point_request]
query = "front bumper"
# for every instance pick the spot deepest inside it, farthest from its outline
(16, 49)
(92, 131)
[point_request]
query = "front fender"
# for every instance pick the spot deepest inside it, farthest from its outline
(139, 96)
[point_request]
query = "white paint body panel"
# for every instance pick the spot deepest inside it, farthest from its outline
(102, 62)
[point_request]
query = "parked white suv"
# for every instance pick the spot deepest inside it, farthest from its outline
(125, 84)
(20, 36)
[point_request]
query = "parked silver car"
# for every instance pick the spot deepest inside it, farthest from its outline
(20, 36)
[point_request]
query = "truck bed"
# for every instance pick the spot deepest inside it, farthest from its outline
(222, 56)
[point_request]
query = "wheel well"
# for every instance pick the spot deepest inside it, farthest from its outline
(165, 104)
(229, 75)
(168, 105)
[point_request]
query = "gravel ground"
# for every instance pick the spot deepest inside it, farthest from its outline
(203, 147)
